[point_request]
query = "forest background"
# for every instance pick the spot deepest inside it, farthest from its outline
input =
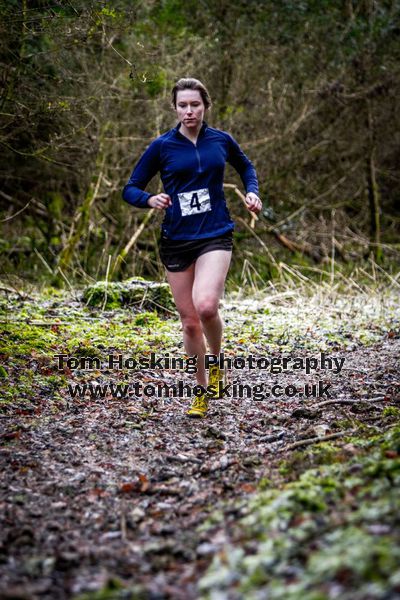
(109, 495)
(310, 89)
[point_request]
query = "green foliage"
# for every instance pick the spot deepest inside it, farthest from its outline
(168, 16)
(55, 204)
(108, 12)
(115, 590)
(30, 341)
(324, 527)
(134, 291)
(391, 411)
(156, 83)
(360, 555)
(147, 318)
(22, 339)
(310, 458)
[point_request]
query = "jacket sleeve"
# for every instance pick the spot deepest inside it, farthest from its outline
(243, 165)
(145, 169)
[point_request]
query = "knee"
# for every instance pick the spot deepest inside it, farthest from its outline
(191, 326)
(207, 309)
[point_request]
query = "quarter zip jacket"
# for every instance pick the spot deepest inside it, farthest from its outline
(192, 175)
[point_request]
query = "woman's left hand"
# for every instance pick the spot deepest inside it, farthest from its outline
(253, 202)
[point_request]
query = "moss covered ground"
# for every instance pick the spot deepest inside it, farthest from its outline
(280, 498)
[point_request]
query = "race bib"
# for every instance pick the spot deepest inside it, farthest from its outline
(192, 203)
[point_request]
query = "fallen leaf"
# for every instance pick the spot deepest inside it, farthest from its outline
(391, 454)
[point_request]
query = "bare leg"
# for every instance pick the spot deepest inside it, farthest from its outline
(211, 270)
(193, 338)
(197, 292)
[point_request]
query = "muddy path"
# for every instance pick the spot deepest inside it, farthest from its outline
(130, 494)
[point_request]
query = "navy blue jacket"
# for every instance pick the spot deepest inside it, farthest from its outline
(192, 175)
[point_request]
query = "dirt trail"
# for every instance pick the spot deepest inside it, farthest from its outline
(120, 489)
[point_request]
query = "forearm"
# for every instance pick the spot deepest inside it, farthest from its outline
(135, 196)
(249, 179)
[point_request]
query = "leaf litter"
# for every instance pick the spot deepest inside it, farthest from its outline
(128, 498)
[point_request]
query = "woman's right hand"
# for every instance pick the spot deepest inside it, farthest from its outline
(160, 201)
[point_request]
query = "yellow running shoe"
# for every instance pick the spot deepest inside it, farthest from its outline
(215, 375)
(199, 406)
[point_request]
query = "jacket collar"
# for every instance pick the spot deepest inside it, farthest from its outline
(201, 132)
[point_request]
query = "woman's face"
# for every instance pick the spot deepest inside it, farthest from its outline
(190, 108)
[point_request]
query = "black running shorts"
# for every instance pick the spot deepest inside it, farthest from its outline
(178, 255)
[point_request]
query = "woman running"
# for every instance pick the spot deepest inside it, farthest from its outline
(196, 233)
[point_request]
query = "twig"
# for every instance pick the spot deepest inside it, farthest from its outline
(332, 278)
(392, 279)
(235, 188)
(106, 290)
(329, 402)
(10, 290)
(171, 312)
(183, 458)
(123, 523)
(121, 256)
(294, 273)
(316, 440)
(144, 298)
(7, 289)
(43, 261)
(16, 214)
(267, 250)
(67, 282)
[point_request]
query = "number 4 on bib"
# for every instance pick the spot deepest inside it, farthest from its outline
(194, 202)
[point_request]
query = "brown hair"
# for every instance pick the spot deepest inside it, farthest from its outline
(189, 83)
